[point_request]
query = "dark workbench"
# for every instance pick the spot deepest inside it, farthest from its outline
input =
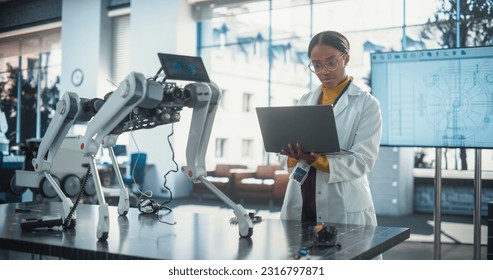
(195, 236)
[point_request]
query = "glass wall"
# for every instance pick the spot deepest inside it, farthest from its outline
(30, 67)
(259, 49)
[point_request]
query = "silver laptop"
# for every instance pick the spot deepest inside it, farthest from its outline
(313, 126)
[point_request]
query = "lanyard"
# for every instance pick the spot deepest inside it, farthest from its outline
(342, 92)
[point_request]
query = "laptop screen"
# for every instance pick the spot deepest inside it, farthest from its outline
(313, 126)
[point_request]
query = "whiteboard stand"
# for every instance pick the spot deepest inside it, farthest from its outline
(437, 214)
(477, 206)
(438, 206)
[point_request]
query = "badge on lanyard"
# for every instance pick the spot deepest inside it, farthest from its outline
(300, 172)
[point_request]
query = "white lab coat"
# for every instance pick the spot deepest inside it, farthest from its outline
(343, 195)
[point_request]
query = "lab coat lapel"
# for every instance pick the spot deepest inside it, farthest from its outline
(315, 97)
(342, 103)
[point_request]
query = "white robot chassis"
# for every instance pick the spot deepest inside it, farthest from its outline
(137, 103)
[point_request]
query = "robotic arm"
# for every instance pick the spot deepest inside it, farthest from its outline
(69, 108)
(133, 92)
(108, 115)
(135, 104)
(205, 108)
(138, 103)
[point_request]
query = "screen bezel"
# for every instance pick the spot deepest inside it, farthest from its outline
(409, 53)
(168, 59)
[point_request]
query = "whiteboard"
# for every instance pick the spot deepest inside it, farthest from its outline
(435, 98)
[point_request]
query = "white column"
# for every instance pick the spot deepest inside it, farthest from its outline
(85, 45)
(166, 27)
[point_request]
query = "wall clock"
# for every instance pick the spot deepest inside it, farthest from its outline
(77, 77)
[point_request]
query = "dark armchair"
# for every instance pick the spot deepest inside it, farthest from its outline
(266, 182)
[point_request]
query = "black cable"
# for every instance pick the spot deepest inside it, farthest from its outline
(171, 170)
(163, 206)
(157, 74)
(68, 220)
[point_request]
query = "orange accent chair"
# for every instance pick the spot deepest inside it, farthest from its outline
(266, 182)
(221, 177)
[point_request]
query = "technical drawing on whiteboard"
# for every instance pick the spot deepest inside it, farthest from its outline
(440, 98)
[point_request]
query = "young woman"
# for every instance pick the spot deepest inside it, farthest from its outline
(336, 188)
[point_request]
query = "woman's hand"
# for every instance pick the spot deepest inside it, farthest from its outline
(298, 153)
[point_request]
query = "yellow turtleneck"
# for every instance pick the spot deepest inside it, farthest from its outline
(329, 95)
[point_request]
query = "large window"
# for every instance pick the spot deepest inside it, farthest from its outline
(120, 59)
(247, 102)
(260, 47)
(220, 147)
(30, 66)
(246, 148)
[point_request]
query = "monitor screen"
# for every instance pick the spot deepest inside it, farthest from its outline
(435, 98)
(180, 67)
